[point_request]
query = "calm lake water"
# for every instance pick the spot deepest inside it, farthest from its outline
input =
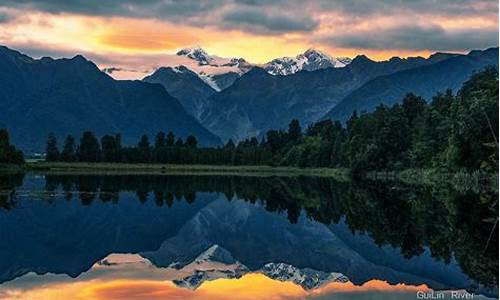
(222, 237)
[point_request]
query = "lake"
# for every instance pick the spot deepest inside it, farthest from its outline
(230, 237)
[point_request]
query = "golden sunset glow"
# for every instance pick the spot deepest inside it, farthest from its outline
(118, 34)
(129, 276)
(137, 37)
(249, 287)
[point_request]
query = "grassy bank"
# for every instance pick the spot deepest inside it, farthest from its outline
(475, 181)
(122, 168)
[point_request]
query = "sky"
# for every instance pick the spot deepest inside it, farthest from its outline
(138, 34)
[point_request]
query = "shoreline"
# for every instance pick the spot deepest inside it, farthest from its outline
(430, 177)
(172, 169)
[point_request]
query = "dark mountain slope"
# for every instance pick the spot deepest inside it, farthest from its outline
(258, 101)
(68, 96)
(425, 81)
(184, 85)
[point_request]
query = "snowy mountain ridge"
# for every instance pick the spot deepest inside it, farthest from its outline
(307, 278)
(216, 262)
(217, 72)
(310, 60)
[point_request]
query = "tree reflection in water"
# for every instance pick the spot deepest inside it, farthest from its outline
(451, 224)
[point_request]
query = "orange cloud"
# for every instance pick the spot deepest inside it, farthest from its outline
(372, 285)
(142, 37)
(249, 287)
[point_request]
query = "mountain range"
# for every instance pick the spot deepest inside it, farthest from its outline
(216, 262)
(220, 72)
(258, 101)
(212, 97)
(69, 96)
(425, 81)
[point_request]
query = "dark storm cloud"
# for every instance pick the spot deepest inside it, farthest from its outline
(128, 8)
(262, 20)
(274, 17)
(417, 38)
(365, 7)
(446, 7)
(251, 16)
(172, 8)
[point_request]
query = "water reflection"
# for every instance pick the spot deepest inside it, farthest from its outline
(111, 279)
(364, 231)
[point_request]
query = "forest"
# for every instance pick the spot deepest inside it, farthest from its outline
(454, 132)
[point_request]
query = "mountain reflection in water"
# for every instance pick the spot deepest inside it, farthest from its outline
(287, 234)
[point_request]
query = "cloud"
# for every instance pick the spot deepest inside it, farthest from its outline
(179, 8)
(260, 20)
(446, 7)
(112, 31)
(261, 16)
(416, 37)
(227, 14)
(4, 18)
(127, 8)
(111, 70)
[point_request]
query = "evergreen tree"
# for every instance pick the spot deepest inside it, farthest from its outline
(68, 153)
(160, 140)
(110, 151)
(4, 139)
(294, 130)
(413, 107)
(51, 150)
(144, 149)
(191, 142)
(179, 143)
(8, 153)
(170, 139)
(89, 149)
(230, 145)
(144, 142)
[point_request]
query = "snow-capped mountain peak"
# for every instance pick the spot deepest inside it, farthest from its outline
(214, 263)
(345, 60)
(315, 55)
(310, 60)
(306, 277)
(198, 54)
(217, 262)
(218, 72)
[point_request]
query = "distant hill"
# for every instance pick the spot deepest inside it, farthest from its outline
(424, 81)
(69, 96)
